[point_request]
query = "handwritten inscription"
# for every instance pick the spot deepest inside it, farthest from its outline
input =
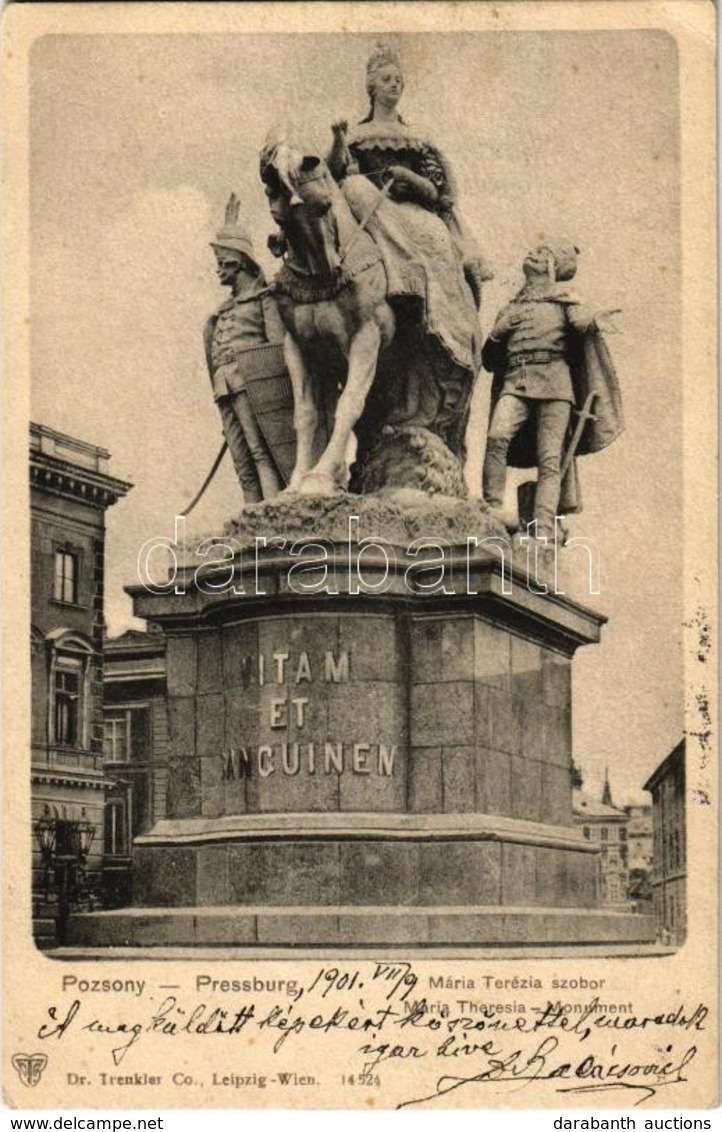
(375, 1010)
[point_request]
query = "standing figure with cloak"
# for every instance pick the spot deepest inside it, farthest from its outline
(550, 365)
(401, 188)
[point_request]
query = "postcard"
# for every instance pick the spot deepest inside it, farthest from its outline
(360, 569)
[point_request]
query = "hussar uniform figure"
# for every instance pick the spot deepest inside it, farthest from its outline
(244, 341)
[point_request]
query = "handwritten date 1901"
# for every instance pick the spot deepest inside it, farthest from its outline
(397, 979)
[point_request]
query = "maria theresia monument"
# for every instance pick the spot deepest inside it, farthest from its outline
(369, 684)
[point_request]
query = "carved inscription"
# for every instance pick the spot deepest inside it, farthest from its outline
(297, 674)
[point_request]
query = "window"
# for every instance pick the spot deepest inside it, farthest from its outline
(622, 834)
(67, 703)
(585, 831)
(65, 587)
(140, 734)
(675, 850)
(69, 662)
(604, 833)
(116, 827)
(127, 734)
(116, 736)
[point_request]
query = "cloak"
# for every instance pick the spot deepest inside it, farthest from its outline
(592, 371)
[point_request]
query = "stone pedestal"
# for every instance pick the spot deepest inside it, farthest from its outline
(363, 763)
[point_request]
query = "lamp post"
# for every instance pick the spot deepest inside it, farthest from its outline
(74, 838)
(82, 835)
(45, 830)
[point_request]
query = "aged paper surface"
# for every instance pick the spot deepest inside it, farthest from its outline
(127, 128)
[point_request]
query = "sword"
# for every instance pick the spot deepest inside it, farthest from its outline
(583, 415)
(526, 491)
(207, 480)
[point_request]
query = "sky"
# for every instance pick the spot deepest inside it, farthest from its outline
(135, 144)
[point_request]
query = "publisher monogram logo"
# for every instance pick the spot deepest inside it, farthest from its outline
(30, 1067)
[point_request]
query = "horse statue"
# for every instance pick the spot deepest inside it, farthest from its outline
(332, 296)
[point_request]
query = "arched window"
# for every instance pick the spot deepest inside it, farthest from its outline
(69, 656)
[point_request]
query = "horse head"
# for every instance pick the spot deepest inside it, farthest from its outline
(301, 194)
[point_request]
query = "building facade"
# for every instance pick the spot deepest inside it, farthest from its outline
(70, 492)
(606, 826)
(640, 838)
(639, 834)
(135, 741)
(669, 865)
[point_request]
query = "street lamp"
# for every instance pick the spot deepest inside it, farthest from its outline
(46, 831)
(64, 843)
(82, 835)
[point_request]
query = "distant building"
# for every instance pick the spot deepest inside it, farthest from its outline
(639, 834)
(135, 736)
(606, 826)
(669, 871)
(70, 491)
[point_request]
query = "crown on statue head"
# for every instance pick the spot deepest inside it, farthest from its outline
(382, 55)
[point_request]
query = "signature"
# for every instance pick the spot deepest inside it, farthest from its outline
(546, 1063)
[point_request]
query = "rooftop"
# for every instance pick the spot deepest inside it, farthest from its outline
(68, 448)
(674, 759)
(134, 639)
(585, 805)
(65, 466)
(134, 655)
